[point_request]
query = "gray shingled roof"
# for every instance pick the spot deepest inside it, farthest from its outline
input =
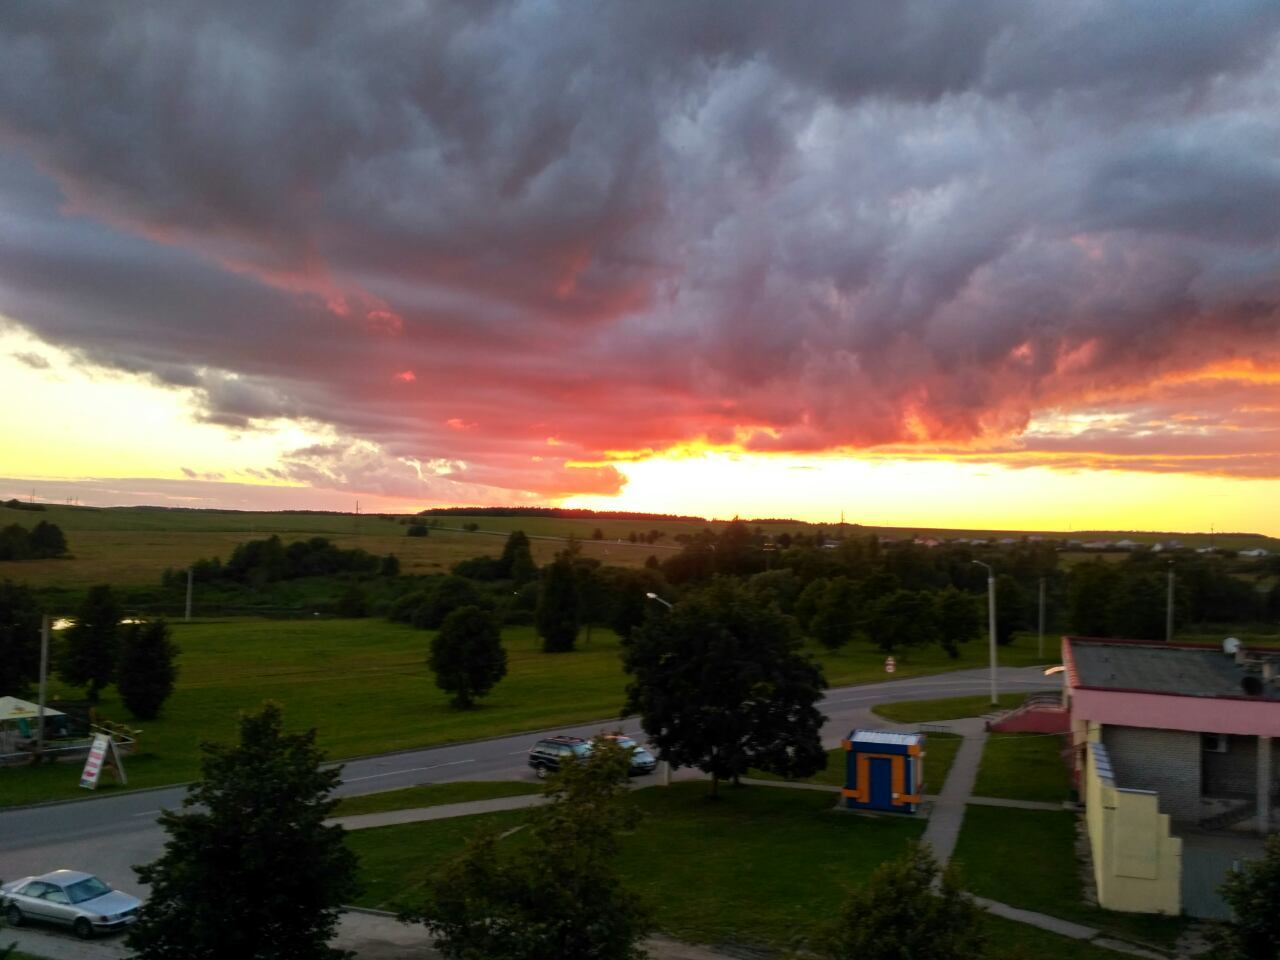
(1159, 669)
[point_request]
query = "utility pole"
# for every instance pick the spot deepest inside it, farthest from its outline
(1040, 647)
(991, 627)
(44, 673)
(190, 588)
(1168, 613)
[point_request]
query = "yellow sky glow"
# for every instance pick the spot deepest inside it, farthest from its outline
(65, 421)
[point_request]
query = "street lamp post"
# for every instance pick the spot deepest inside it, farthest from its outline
(1168, 610)
(666, 764)
(654, 596)
(991, 626)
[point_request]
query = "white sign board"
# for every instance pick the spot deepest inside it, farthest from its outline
(890, 665)
(102, 753)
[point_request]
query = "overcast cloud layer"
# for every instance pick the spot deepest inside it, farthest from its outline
(491, 239)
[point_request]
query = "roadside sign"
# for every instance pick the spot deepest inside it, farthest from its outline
(102, 753)
(890, 665)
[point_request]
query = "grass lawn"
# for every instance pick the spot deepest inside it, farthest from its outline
(859, 662)
(940, 752)
(759, 867)
(1027, 858)
(433, 795)
(947, 708)
(1023, 766)
(365, 686)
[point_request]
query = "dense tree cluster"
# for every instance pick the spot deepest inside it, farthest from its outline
(41, 542)
(257, 563)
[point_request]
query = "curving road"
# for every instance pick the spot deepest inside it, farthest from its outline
(107, 835)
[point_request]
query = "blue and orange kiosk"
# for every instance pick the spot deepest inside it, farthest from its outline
(883, 771)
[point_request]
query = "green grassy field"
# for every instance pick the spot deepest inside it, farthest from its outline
(131, 547)
(1023, 766)
(946, 708)
(1027, 858)
(365, 686)
(759, 868)
(433, 795)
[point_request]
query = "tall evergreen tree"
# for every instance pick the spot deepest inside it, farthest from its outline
(250, 870)
(146, 672)
(92, 644)
(467, 655)
(516, 562)
(19, 639)
(720, 684)
(557, 615)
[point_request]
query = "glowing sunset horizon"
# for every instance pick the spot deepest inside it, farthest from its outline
(966, 265)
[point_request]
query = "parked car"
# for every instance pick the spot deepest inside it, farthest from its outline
(642, 761)
(68, 897)
(548, 753)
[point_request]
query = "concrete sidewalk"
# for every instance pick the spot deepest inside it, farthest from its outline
(947, 815)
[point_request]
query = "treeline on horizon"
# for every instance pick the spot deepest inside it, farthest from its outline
(556, 513)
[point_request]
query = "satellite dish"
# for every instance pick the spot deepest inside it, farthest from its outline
(1231, 646)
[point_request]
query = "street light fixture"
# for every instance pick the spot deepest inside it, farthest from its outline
(991, 626)
(654, 596)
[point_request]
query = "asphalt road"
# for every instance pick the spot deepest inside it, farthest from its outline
(107, 835)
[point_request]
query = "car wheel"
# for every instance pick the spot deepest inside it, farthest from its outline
(13, 916)
(541, 771)
(83, 928)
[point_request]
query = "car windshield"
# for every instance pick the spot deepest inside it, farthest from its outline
(582, 749)
(86, 889)
(626, 742)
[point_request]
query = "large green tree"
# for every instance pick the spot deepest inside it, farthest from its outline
(250, 870)
(19, 639)
(467, 655)
(902, 619)
(908, 909)
(91, 645)
(720, 683)
(1253, 894)
(836, 616)
(555, 897)
(47, 540)
(147, 669)
(958, 619)
(558, 612)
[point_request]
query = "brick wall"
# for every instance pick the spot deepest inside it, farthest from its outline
(1167, 761)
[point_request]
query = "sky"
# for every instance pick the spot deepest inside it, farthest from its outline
(999, 263)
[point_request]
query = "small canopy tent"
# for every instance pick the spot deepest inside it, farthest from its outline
(18, 721)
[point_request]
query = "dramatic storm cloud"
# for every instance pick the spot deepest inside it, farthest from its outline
(487, 242)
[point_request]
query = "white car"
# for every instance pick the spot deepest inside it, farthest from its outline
(68, 897)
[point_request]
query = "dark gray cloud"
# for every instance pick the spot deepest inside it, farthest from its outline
(502, 238)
